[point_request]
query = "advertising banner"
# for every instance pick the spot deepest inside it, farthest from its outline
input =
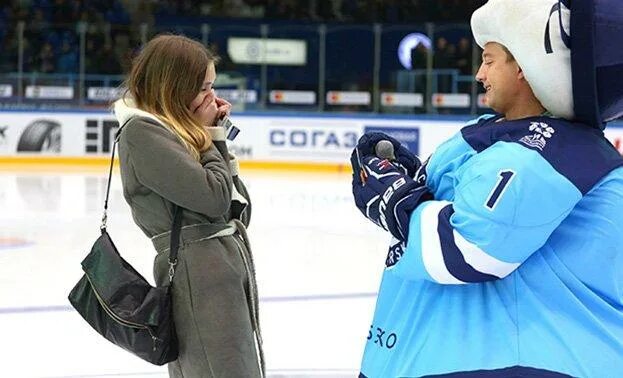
(402, 99)
(61, 134)
(6, 91)
(408, 136)
(49, 92)
(348, 98)
(235, 96)
(271, 51)
(104, 93)
(267, 138)
(615, 136)
(292, 97)
(451, 100)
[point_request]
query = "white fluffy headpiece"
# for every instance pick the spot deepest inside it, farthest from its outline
(537, 33)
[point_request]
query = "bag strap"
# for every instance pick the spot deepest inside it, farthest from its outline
(176, 226)
(176, 229)
(112, 160)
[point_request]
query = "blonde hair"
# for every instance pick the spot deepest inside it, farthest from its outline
(166, 76)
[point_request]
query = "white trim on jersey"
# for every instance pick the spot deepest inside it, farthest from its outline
(432, 256)
(480, 260)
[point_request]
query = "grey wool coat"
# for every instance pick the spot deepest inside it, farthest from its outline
(214, 293)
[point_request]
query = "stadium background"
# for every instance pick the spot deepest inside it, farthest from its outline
(306, 78)
(63, 61)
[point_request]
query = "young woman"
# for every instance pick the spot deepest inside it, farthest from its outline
(172, 153)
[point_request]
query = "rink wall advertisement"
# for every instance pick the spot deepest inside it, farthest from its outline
(263, 138)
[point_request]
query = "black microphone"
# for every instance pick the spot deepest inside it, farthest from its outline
(231, 131)
(384, 149)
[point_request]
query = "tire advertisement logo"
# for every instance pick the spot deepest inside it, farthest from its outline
(41, 135)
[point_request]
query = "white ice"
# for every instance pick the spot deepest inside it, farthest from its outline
(318, 264)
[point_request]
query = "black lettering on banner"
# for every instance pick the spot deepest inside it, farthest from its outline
(332, 140)
(100, 135)
(277, 138)
(351, 140)
(108, 134)
(241, 151)
(301, 138)
(314, 136)
(92, 136)
(298, 138)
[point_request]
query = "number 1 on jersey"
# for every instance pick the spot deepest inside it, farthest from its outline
(499, 189)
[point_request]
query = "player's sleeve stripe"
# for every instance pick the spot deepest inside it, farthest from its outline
(448, 257)
(481, 261)
(432, 257)
(466, 262)
(452, 255)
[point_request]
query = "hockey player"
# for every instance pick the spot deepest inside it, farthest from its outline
(507, 257)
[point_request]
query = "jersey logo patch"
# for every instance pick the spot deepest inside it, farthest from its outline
(541, 132)
(396, 250)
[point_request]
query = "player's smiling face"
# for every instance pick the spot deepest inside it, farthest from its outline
(500, 75)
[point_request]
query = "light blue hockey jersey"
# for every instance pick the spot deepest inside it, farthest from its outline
(516, 267)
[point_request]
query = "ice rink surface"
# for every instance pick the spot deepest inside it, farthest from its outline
(318, 265)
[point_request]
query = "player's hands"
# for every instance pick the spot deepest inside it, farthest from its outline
(385, 195)
(404, 159)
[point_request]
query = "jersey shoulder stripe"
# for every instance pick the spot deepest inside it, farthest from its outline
(580, 153)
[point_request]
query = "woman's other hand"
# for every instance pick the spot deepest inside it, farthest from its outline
(224, 108)
(205, 108)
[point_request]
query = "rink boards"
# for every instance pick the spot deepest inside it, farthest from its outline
(312, 141)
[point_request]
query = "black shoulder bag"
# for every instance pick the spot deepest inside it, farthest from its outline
(120, 304)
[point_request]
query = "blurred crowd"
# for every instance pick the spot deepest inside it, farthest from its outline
(52, 45)
(51, 38)
(357, 11)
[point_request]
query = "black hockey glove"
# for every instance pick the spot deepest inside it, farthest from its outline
(390, 149)
(384, 194)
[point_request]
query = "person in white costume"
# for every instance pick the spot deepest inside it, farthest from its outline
(507, 258)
